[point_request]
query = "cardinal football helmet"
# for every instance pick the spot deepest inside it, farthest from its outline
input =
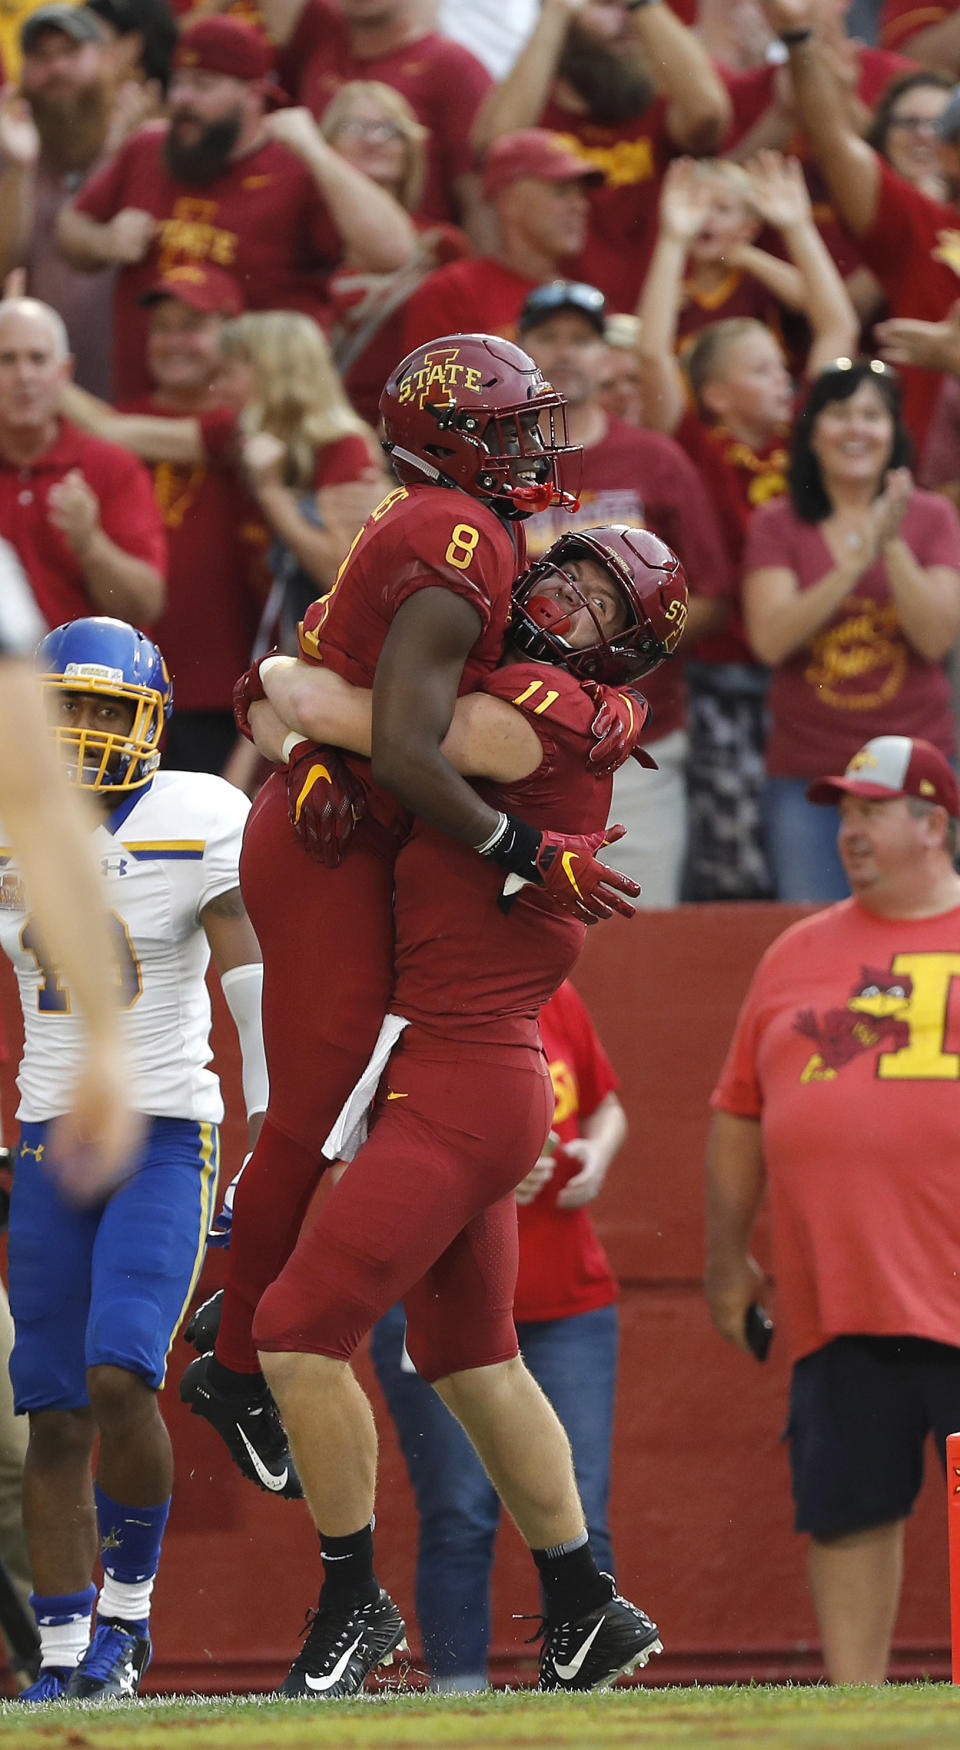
(467, 411)
(114, 661)
(651, 582)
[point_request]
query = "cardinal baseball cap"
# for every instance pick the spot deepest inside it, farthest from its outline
(894, 765)
(224, 45)
(544, 301)
(197, 283)
(74, 21)
(533, 152)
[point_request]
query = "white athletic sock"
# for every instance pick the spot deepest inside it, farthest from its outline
(125, 1601)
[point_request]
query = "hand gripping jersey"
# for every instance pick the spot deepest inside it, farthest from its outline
(165, 853)
(419, 537)
(463, 964)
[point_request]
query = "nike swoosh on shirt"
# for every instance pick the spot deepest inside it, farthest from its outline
(269, 1481)
(334, 1676)
(393, 1096)
(566, 1672)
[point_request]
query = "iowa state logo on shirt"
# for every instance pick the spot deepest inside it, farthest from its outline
(899, 1011)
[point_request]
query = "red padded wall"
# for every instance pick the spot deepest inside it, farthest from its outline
(701, 1510)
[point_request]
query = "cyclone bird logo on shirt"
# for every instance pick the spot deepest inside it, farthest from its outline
(438, 377)
(874, 1015)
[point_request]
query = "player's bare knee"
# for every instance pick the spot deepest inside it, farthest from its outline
(60, 1435)
(118, 1396)
(475, 1387)
(287, 1374)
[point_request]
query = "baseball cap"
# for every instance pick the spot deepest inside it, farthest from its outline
(533, 152)
(196, 283)
(73, 21)
(894, 765)
(224, 45)
(544, 301)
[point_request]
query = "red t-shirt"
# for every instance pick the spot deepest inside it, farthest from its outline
(476, 296)
(623, 210)
(442, 82)
(563, 1267)
(913, 248)
(264, 219)
(738, 479)
(900, 19)
(859, 677)
(419, 537)
(464, 967)
(848, 1050)
(643, 478)
(128, 514)
(738, 295)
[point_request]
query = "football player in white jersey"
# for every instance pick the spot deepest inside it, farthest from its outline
(98, 1289)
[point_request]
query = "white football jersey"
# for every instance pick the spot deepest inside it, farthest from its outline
(177, 848)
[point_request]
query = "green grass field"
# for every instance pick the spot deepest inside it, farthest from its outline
(911, 1717)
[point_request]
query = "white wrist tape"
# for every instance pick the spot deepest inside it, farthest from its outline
(243, 988)
(269, 662)
(291, 742)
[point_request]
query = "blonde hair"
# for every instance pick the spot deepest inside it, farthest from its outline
(297, 394)
(397, 110)
(734, 175)
(703, 362)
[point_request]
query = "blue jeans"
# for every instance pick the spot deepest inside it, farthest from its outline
(574, 1360)
(802, 843)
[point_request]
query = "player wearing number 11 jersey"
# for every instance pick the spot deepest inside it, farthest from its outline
(97, 1291)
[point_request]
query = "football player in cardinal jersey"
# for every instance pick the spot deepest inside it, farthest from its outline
(97, 1290)
(418, 612)
(425, 1211)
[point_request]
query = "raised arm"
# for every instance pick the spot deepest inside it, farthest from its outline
(90, 244)
(684, 205)
(938, 46)
(19, 151)
(518, 100)
(699, 110)
(780, 196)
(377, 234)
(850, 166)
(735, 1179)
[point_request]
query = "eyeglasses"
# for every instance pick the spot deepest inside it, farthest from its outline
(914, 124)
(380, 132)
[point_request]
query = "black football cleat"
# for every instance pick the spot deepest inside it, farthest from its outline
(594, 1651)
(111, 1667)
(203, 1324)
(342, 1647)
(250, 1428)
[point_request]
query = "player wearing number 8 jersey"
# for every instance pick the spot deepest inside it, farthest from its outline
(418, 612)
(97, 1291)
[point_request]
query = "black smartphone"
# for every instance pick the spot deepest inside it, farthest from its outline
(758, 1330)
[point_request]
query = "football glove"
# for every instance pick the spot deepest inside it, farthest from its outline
(621, 716)
(565, 866)
(247, 691)
(324, 801)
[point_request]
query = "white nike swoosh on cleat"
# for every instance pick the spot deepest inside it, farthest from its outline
(269, 1481)
(319, 1684)
(566, 1672)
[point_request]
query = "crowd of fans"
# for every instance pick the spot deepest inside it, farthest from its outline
(728, 233)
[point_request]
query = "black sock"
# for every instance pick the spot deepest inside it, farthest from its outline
(572, 1583)
(348, 1576)
(235, 1385)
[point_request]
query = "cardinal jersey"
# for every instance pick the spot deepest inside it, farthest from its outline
(419, 537)
(164, 853)
(465, 966)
